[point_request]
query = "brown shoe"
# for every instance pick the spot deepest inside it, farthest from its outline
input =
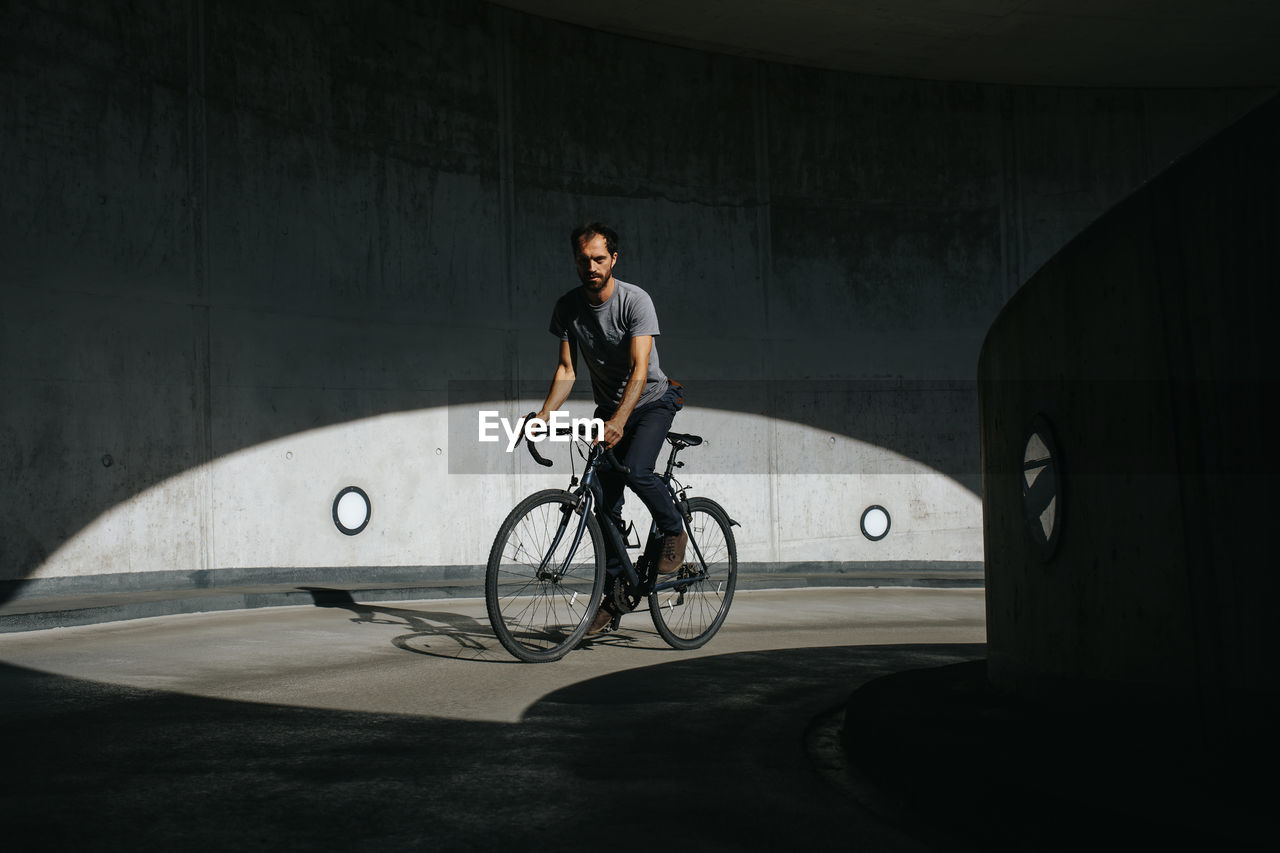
(601, 622)
(672, 555)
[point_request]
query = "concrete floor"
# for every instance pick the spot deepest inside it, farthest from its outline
(406, 726)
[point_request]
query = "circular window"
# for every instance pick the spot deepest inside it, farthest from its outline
(1042, 488)
(351, 510)
(875, 522)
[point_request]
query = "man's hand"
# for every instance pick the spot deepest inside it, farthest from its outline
(612, 432)
(540, 416)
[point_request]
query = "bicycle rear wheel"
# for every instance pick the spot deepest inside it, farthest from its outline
(687, 615)
(540, 607)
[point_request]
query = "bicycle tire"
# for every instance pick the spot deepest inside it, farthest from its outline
(537, 617)
(686, 617)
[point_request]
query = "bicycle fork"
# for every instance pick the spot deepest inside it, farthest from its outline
(584, 505)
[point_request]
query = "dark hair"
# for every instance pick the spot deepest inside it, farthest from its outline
(591, 229)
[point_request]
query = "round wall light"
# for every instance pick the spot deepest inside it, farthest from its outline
(1042, 488)
(352, 510)
(875, 522)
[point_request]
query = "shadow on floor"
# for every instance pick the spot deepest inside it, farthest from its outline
(939, 749)
(471, 639)
(695, 754)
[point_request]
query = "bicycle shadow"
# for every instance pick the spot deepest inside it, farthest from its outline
(472, 640)
(466, 638)
(632, 634)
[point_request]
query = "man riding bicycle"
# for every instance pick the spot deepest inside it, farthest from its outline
(613, 324)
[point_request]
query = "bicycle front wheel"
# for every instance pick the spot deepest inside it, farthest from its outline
(541, 592)
(688, 613)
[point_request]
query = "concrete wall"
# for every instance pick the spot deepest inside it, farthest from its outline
(246, 253)
(1146, 345)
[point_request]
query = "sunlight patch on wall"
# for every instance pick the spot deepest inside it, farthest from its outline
(272, 505)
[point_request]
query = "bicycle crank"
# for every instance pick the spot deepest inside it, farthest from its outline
(624, 596)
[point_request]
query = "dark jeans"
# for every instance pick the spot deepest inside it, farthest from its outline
(642, 438)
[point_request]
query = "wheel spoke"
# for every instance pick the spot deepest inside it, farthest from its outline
(688, 615)
(537, 612)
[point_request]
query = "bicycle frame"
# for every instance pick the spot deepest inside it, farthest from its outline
(585, 494)
(533, 591)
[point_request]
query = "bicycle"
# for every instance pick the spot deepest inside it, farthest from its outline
(546, 573)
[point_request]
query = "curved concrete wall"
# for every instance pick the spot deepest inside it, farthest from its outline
(1146, 345)
(245, 251)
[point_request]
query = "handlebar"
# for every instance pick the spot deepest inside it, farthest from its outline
(613, 460)
(546, 463)
(533, 451)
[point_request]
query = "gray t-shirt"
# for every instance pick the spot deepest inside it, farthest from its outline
(604, 333)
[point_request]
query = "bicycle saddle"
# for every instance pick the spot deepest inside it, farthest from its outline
(682, 440)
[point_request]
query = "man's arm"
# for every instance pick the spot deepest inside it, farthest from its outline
(641, 346)
(562, 382)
